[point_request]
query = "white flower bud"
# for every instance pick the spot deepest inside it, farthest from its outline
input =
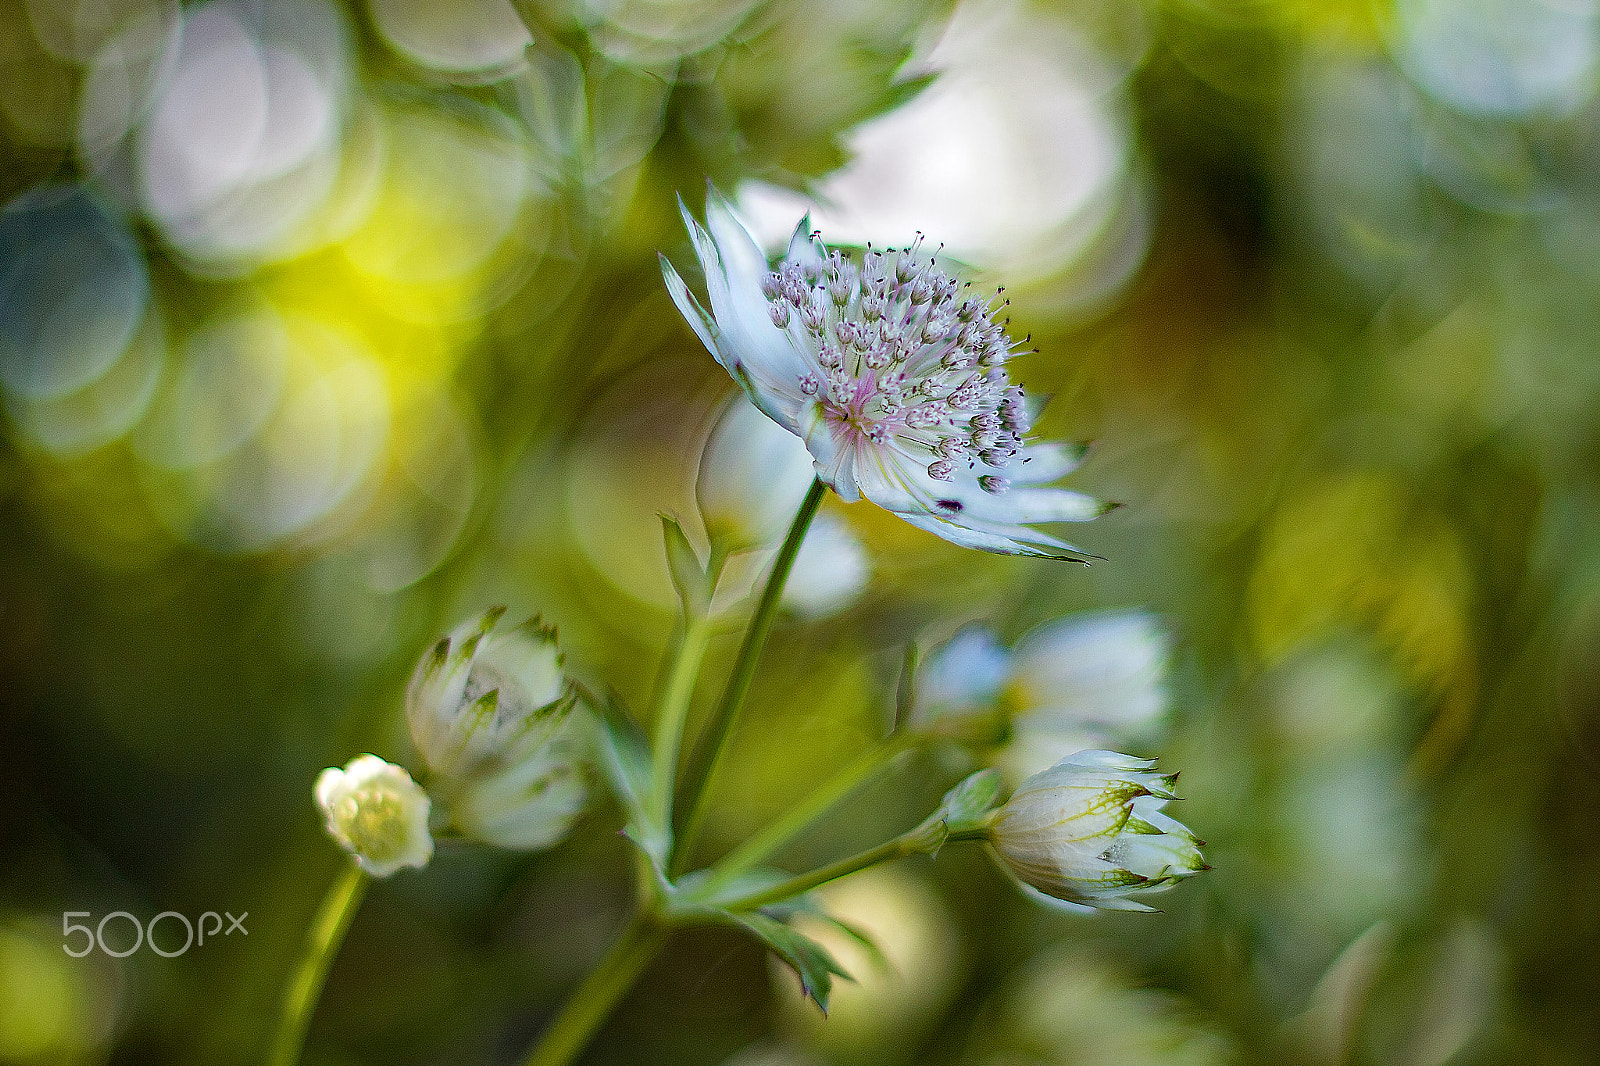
(376, 813)
(753, 475)
(490, 712)
(1086, 681)
(1089, 832)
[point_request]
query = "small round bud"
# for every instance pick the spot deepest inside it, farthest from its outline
(941, 469)
(377, 813)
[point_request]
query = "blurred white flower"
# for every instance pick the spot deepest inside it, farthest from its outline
(1089, 832)
(376, 813)
(962, 676)
(894, 380)
(490, 712)
(1018, 155)
(830, 570)
(753, 475)
(1085, 681)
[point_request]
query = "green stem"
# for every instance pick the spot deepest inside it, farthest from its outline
(612, 976)
(889, 849)
(322, 944)
(674, 709)
(752, 852)
(714, 741)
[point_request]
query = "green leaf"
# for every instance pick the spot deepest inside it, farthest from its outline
(689, 577)
(962, 814)
(809, 959)
(624, 756)
(966, 807)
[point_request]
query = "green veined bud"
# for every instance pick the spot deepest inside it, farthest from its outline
(377, 813)
(1089, 832)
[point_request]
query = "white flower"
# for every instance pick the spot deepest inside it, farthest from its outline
(490, 712)
(962, 676)
(376, 813)
(893, 377)
(1085, 681)
(1089, 832)
(829, 572)
(752, 478)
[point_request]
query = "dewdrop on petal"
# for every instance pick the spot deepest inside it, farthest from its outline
(377, 813)
(1089, 832)
(490, 710)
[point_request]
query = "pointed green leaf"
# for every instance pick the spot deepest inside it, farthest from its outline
(809, 959)
(623, 753)
(966, 806)
(688, 575)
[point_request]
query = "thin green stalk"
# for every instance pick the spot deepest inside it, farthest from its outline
(322, 944)
(713, 742)
(611, 978)
(674, 708)
(835, 790)
(889, 849)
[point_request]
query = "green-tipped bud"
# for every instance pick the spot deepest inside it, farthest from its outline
(490, 711)
(376, 813)
(1089, 832)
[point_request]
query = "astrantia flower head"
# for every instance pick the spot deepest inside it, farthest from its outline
(1090, 832)
(895, 377)
(376, 813)
(490, 710)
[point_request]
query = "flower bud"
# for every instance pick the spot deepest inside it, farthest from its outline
(490, 711)
(376, 813)
(1089, 832)
(753, 475)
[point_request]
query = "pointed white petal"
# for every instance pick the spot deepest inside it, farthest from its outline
(1039, 464)
(702, 323)
(802, 247)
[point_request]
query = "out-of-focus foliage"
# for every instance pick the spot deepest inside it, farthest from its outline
(324, 325)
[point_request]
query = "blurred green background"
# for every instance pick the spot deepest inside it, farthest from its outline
(325, 324)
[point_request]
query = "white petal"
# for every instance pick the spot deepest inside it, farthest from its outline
(965, 536)
(702, 323)
(834, 459)
(1039, 464)
(802, 247)
(741, 309)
